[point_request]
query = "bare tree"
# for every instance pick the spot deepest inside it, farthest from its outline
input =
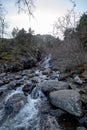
(25, 6)
(68, 21)
(3, 23)
(15, 32)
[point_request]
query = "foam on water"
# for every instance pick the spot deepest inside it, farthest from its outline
(27, 116)
(12, 93)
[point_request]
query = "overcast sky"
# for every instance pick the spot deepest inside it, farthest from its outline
(45, 13)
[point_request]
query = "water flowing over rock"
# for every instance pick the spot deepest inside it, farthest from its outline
(23, 119)
(68, 100)
(45, 63)
(25, 102)
(15, 102)
(28, 88)
(21, 112)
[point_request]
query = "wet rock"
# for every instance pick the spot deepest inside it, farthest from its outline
(1, 106)
(72, 86)
(52, 85)
(56, 112)
(47, 71)
(9, 108)
(1, 82)
(64, 76)
(78, 80)
(1, 92)
(81, 128)
(68, 100)
(11, 85)
(55, 75)
(34, 79)
(28, 88)
(25, 72)
(31, 75)
(19, 82)
(2, 74)
(35, 93)
(17, 77)
(49, 123)
(15, 102)
(6, 81)
(14, 84)
(83, 121)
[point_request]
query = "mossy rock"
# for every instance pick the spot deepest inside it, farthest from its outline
(7, 56)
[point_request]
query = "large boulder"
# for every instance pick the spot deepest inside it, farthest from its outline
(52, 85)
(68, 100)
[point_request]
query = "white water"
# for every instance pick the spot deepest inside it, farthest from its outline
(46, 60)
(28, 117)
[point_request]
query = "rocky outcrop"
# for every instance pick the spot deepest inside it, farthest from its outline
(20, 63)
(68, 100)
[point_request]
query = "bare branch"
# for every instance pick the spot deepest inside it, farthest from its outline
(68, 21)
(25, 6)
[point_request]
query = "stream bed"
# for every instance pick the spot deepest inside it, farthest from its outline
(42, 99)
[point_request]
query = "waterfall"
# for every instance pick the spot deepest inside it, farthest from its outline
(46, 60)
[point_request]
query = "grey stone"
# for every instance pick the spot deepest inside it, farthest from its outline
(47, 71)
(1, 82)
(34, 79)
(78, 80)
(68, 100)
(52, 85)
(81, 128)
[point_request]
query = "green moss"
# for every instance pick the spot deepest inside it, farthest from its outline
(7, 56)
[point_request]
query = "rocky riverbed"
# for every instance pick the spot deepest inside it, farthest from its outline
(43, 99)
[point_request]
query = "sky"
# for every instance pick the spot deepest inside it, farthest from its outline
(45, 14)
